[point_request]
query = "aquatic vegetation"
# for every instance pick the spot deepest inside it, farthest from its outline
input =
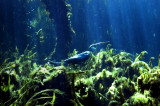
(121, 90)
(140, 99)
(159, 61)
(40, 35)
(140, 56)
(51, 54)
(69, 14)
(103, 81)
(73, 54)
(150, 62)
(61, 18)
(150, 81)
(33, 23)
(139, 64)
(105, 78)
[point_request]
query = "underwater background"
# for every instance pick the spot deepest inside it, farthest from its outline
(123, 69)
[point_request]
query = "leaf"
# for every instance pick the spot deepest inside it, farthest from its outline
(54, 97)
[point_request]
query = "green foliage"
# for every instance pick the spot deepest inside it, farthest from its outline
(140, 64)
(8, 87)
(73, 54)
(150, 81)
(159, 61)
(34, 23)
(105, 78)
(140, 99)
(150, 62)
(4, 64)
(29, 102)
(53, 98)
(52, 53)
(140, 56)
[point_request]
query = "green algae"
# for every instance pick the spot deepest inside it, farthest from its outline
(106, 78)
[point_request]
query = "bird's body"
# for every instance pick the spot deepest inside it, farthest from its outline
(77, 59)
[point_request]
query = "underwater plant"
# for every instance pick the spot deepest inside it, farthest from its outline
(105, 78)
(139, 99)
(140, 56)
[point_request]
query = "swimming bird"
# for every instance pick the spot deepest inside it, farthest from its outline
(77, 59)
(96, 44)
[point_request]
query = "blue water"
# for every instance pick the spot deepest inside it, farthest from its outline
(130, 25)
